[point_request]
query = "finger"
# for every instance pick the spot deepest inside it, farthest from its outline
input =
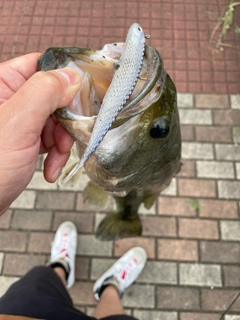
(25, 65)
(48, 140)
(53, 164)
(37, 99)
(64, 141)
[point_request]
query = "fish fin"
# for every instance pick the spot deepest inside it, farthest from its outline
(113, 227)
(149, 200)
(72, 174)
(67, 177)
(95, 197)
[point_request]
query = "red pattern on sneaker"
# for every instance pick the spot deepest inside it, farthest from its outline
(129, 266)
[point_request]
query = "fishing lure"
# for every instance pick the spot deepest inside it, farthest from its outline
(123, 83)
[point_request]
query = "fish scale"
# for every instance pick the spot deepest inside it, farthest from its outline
(123, 83)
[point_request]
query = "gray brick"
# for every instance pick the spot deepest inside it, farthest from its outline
(151, 211)
(154, 315)
(227, 152)
(228, 189)
(199, 117)
(200, 275)
(238, 170)
(171, 190)
(5, 283)
(38, 182)
(34, 220)
(193, 150)
(19, 264)
(99, 266)
(133, 299)
(232, 317)
(88, 245)
(215, 169)
(230, 230)
(5, 220)
(82, 221)
(236, 134)
(235, 101)
(58, 200)
(1, 260)
(185, 100)
(231, 276)
(159, 272)
(26, 200)
(177, 298)
(219, 252)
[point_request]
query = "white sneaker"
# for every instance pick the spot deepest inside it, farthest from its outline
(123, 272)
(64, 248)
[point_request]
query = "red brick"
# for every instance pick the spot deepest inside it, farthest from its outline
(199, 316)
(123, 245)
(212, 101)
(183, 250)
(84, 221)
(15, 241)
(213, 134)
(175, 206)
(198, 229)
(159, 227)
(223, 209)
(219, 300)
(40, 242)
(197, 188)
(187, 169)
(5, 220)
(187, 133)
(226, 117)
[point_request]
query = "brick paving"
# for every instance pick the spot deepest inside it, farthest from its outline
(192, 234)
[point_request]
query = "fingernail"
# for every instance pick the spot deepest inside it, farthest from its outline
(56, 174)
(69, 74)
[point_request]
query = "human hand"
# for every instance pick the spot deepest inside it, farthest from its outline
(28, 127)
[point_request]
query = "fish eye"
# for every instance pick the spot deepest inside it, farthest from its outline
(160, 128)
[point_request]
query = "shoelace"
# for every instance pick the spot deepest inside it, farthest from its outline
(64, 244)
(122, 273)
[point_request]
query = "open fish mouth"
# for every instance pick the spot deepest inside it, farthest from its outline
(97, 69)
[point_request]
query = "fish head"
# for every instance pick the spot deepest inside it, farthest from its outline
(142, 148)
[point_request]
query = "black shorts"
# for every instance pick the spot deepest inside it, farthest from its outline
(41, 294)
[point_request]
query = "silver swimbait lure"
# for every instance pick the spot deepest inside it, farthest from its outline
(123, 83)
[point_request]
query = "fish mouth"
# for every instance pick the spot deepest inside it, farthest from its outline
(96, 69)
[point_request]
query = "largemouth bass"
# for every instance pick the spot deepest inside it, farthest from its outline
(140, 153)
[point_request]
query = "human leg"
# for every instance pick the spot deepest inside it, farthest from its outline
(110, 287)
(42, 293)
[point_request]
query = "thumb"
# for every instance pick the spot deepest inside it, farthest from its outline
(41, 95)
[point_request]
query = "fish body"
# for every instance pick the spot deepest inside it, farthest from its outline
(140, 153)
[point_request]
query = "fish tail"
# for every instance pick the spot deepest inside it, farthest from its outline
(114, 227)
